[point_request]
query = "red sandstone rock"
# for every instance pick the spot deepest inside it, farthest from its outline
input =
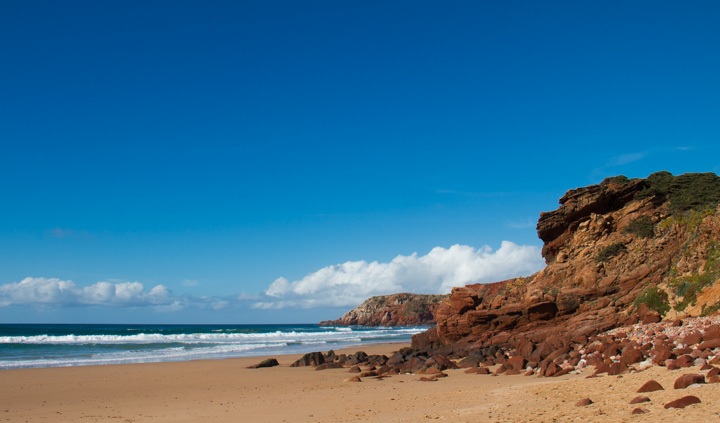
(638, 399)
(693, 338)
(683, 402)
(617, 369)
(684, 361)
(640, 411)
(709, 344)
(551, 370)
(584, 402)
(686, 380)
(712, 332)
(563, 372)
(517, 362)
(651, 386)
(631, 356)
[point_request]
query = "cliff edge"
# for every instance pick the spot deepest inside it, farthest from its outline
(622, 251)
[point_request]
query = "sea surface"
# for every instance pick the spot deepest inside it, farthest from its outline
(59, 345)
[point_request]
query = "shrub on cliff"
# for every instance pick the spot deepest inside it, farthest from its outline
(689, 191)
(655, 298)
(618, 180)
(642, 227)
(689, 286)
(610, 251)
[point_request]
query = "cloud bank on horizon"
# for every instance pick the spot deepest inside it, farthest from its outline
(340, 285)
(64, 293)
(351, 283)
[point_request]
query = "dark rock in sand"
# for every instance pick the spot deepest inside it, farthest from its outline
(270, 362)
(714, 371)
(441, 362)
(310, 359)
(355, 369)
(326, 366)
(651, 386)
(686, 380)
(640, 411)
(683, 402)
(357, 358)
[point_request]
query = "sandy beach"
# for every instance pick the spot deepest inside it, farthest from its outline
(226, 391)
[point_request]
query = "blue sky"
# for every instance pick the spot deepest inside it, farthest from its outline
(279, 161)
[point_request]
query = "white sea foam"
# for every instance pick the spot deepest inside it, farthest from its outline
(337, 335)
(135, 347)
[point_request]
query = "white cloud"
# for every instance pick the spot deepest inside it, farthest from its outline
(350, 283)
(624, 159)
(53, 291)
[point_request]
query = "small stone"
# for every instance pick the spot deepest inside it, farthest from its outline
(640, 411)
(651, 386)
(686, 380)
(584, 402)
(638, 399)
(683, 402)
(353, 379)
(270, 362)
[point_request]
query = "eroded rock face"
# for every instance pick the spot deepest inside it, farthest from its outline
(597, 268)
(392, 310)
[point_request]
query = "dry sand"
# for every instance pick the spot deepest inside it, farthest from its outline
(225, 391)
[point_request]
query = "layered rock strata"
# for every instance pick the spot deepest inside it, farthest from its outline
(617, 253)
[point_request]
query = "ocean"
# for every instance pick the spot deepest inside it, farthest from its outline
(60, 345)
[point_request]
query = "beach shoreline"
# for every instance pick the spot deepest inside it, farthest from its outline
(225, 390)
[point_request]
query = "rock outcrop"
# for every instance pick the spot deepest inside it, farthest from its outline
(621, 252)
(392, 310)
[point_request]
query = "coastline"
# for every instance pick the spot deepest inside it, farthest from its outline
(224, 390)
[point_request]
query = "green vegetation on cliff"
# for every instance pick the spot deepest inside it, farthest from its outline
(689, 191)
(689, 286)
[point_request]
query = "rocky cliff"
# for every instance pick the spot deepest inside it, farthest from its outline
(392, 310)
(616, 253)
